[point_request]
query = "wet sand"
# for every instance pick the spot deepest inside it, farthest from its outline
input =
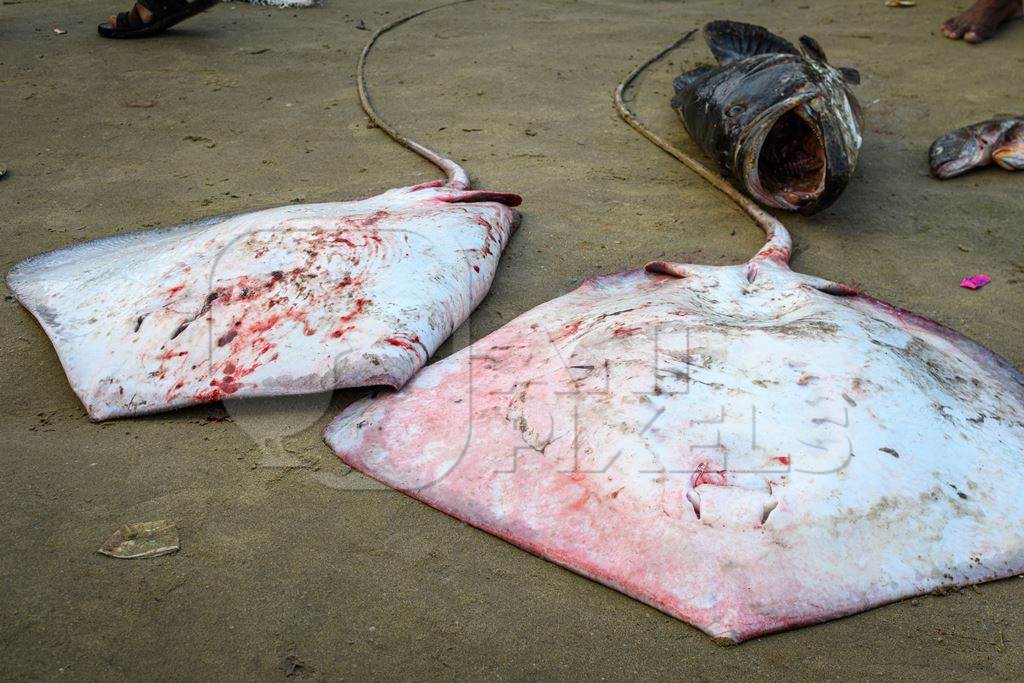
(289, 558)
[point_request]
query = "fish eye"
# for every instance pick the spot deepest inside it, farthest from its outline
(736, 110)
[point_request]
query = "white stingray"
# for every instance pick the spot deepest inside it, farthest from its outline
(743, 447)
(295, 299)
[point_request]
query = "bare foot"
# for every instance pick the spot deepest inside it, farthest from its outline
(983, 18)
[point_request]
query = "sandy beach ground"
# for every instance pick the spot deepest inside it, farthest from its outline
(292, 563)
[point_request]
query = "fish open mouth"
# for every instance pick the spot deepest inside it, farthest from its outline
(788, 165)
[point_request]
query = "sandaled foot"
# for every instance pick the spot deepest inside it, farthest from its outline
(143, 14)
(980, 22)
(150, 17)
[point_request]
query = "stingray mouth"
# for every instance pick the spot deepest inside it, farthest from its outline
(788, 165)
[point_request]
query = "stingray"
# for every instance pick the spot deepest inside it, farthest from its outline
(290, 300)
(746, 448)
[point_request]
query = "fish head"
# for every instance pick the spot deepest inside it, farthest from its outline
(956, 153)
(798, 134)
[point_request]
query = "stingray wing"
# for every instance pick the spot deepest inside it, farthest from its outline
(744, 456)
(289, 300)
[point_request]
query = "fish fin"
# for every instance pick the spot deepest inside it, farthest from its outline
(732, 40)
(683, 81)
(850, 75)
(812, 49)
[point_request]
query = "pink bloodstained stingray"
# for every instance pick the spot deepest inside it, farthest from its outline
(295, 299)
(745, 456)
(745, 447)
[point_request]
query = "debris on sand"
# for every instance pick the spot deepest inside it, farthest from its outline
(287, 4)
(975, 281)
(292, 665)
(141, 540)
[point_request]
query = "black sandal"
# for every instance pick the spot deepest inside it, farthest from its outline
(166, 13)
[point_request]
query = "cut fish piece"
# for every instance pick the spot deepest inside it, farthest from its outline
(290, 300)
(141, 540)
(745, 456)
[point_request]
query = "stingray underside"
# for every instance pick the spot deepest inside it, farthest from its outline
(290, 300)
(745, 456)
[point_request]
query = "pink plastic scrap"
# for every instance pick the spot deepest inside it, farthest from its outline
(975, 281)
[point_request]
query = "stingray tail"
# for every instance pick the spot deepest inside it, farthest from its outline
(457, 177)
(779, 246)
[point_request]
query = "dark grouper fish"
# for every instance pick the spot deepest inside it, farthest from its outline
(1000, 140)
(784, 124)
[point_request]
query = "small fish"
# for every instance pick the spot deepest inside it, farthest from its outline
(784, 124)
(1000, 140)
